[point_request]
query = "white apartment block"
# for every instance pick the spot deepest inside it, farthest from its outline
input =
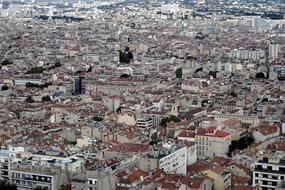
(274, 50)
(212, 142)
(170, 158)
(30, 178)
(243, 54)
(144, 123)
(269, 171)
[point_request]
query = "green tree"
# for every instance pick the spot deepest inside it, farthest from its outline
(96, 118)
(46, 98)
(123, 57)
(178, 73)
(29, 99)
(213, 73)
(4, 87)
(57, 63)
(36, 70)
(260, 75)
(7, 186)
(241, 144)
(6, 62)
(199, 70)
(124, 76)
(164, 121)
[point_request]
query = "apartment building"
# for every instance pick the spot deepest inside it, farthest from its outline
(212, 142)
(99, 176)
(170, 158)
(7, 158)
(221, 177)
(253, 120)
(144, 123)
(28, 177)
(269, 171)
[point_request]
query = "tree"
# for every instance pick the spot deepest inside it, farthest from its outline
(124, 76)
(260, 75)
(178, 73)
(164, 121)
(213, 73)
(204, 103)
(199, 70)
(6, 62)
(57, 63)
(233, 93)
(123, 58)
(89, 69)
(281, 78)
(46, 98)
(264, 100)
(4, 87)
(241, 144)
(97, 118)
(33, 85)
(7, 186)
(36, 70)
(29, 99)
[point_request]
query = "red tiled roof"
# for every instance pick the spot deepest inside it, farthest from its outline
(168, 185)
(129, 147)
(197, 167)
(220, 160)
(212, 131)
(268, 129)
(240, 180)
(186, 134)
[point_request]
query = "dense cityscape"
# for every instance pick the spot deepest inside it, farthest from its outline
(142, 95)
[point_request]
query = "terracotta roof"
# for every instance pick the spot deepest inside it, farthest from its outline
(240, 180)
(135, 175)
(232, 122)
(168, 185)
(268, 129)
(197, 167)
(220, 160)
(212, 131)
(186, 134)
(129, 147)
(196, 182)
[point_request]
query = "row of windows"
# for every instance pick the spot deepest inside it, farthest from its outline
(26, 183)
(281, 169)
(202, 148)
(31, 177)
(204, 143)
(267, 176)
(269, 183)
(234, 117)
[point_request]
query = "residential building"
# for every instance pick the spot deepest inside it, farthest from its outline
(212, 142)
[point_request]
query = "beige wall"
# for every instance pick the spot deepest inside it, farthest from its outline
(126, 119)
(218, 179)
